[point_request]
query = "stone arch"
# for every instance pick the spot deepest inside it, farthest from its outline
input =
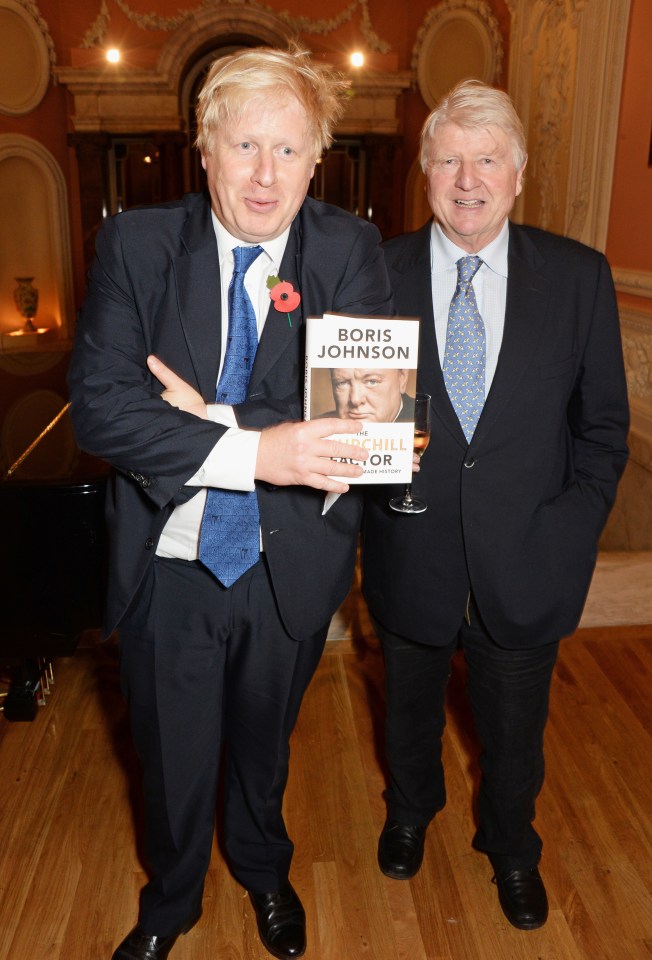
(218, 26)
(193, 45)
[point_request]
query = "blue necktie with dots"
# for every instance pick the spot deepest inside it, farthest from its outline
(465, 354)
(229, 541)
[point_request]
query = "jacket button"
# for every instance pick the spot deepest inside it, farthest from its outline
(149, 543)
(469, 463)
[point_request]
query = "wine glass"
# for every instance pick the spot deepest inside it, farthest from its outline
(407, 503)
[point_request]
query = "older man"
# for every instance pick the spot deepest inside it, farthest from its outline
(225, 569)
(520, 351)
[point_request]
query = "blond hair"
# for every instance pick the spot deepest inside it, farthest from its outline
(265, 74)
(473, 104)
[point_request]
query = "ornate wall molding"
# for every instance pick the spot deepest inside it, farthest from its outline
(478, 47)
(636, 326)
(27, 55)
(640, 321)
(632, 512)
(30, 364)
(636, 282)
(210, 23)
(641, 428)
(127, 100)
(547, 44)
(32, 8)
(638, 356)
(131, 101)
(96, 33)
(602, 41)
(565, 77)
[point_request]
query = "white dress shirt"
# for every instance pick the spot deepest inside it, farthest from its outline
(489, 284)
(232, 461)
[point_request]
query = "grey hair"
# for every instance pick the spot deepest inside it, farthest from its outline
(472, 104)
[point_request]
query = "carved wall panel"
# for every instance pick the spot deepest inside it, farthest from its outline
(457, 39)
(566, 68)
(26, 57)
(636, 282)
(630, 524)
(637, 346)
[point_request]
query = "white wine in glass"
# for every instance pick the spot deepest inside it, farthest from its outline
(407, 503)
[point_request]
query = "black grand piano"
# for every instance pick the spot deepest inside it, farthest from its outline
(53, 571)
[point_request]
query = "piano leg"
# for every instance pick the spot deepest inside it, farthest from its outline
(30, 681)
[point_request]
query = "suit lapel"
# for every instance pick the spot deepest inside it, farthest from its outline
(197, 273)
(525, 314)
(199, 297)
(280, 330)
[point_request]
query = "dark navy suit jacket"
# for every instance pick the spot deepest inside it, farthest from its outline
(155, 288)
(516, 516)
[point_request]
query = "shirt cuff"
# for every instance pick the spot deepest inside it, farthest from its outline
(231, 464)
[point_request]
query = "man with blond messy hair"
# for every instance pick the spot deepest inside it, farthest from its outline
(225, 566)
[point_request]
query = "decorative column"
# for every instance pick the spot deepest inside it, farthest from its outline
(383, 172)
(92, 150)
(171, 147)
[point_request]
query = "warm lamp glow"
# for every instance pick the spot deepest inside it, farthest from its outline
(357, 59)
(113, 55)
(27, 333)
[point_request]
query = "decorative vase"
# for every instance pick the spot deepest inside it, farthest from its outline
(26, 298)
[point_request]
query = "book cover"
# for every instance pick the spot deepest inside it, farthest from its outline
(365, 369)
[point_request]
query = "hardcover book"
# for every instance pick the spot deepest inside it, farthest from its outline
(365, 369)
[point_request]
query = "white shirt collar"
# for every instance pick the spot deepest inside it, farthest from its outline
(445, 254)
(226, 242)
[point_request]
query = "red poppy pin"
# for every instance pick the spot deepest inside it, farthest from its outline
(285, 297)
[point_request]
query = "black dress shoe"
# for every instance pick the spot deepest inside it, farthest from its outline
(400, 850)
(281, 922)
(142, 946)
(523, 898)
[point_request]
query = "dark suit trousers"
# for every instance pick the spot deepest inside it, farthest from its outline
(201, 667)
(508, 691)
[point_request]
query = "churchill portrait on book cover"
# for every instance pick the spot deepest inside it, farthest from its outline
(377, 394)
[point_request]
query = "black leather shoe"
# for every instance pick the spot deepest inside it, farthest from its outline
(400, 850)
(523, 898)
(142, 946)
(281, 922)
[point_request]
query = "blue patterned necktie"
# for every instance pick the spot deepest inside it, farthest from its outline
(465, 354)
(229, 541)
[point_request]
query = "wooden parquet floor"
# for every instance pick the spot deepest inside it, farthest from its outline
(70, 872)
